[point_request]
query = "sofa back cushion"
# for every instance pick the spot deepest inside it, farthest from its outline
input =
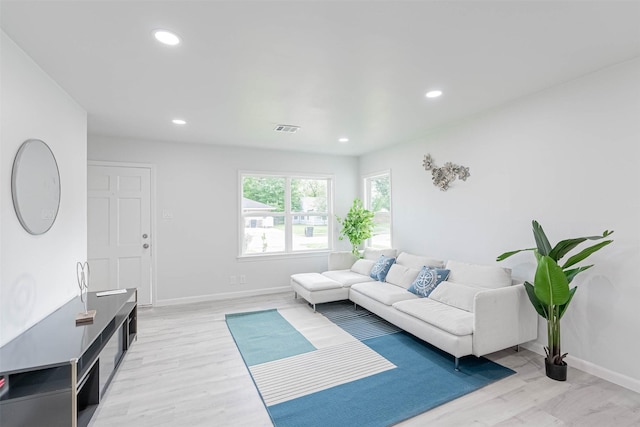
(374, 254)
(363, 266)
(427, 280)
(381, 268)
(486, 276)
(417, 261)
(341, 260)
(455, 295)
(401, 275)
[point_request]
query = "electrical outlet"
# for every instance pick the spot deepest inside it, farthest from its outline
(233, 280)
(243, 279)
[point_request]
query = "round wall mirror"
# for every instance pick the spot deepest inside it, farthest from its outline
(35, 186)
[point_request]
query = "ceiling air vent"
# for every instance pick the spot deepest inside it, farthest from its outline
(286, 128)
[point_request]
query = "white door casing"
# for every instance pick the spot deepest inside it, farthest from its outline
(119, 229)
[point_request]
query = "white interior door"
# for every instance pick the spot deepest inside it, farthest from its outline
(119, 229)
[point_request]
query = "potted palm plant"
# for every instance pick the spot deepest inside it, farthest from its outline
(550, 293)
(357, 226)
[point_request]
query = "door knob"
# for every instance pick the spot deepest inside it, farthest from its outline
(146, 246)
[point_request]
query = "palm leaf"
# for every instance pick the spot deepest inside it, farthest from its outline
(540, 308)
(508, 254)
(565, 246)
(564, 306)
(544, 247)
(551, 285)
(571, 274)
(585, 253)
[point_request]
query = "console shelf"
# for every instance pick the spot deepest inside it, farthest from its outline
(56, 372)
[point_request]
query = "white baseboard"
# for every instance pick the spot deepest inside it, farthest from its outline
(591, 368)
(222, 296)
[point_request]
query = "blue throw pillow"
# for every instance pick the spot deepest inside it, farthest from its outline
(427, 280)
(381, 268)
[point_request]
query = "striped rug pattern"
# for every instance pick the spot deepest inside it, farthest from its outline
(307, 373)
(360, 323)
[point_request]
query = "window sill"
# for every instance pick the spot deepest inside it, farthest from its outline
(283, 256)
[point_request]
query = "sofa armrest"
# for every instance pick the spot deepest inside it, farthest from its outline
(503, 317)
(341, 260)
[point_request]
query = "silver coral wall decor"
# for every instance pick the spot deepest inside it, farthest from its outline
(445, 175)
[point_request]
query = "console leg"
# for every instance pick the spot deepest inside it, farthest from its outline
(457, 364)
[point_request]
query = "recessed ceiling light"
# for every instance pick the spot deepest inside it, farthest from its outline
(166, 37)
(343, 140)
(434, 93)
(178, 122)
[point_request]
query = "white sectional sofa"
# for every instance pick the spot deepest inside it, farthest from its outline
(476, 310)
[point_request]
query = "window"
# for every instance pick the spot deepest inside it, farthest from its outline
(378, 200)
(285, 214)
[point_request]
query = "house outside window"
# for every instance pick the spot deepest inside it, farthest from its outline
(284, 213)
(377, 190)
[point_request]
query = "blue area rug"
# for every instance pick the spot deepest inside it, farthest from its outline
(421, 377)
(263, 336)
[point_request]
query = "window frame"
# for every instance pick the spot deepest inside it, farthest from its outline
(367, 199)
(288, 214)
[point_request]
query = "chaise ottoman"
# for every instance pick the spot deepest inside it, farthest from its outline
(316, 288)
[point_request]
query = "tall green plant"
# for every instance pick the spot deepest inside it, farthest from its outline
(550, 293)
(357, 226)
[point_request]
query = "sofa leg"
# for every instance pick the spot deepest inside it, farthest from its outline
(314, 308)
(457, 364)
(517, 348)
(295, 295)
(355, 306)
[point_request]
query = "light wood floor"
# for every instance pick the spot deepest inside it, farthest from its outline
(185, 370)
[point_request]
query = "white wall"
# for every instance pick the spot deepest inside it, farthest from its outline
(38, 273)
(568, 157)
(196, 251)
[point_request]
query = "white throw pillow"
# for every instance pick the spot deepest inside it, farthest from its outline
(363, 266)
(455, 295)
(374, 254)
(401, 275)
(417, 261)
(486, 276)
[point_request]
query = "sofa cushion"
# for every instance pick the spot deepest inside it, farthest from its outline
(417, 261)
(374, 254)
(486, 276)
(427, 280)
(341, 260)
(401, 275)
(456, 295)
(381, 268)
(315, 281)
(450, 319)
(363, 266)
(386, 293)
(346, 277)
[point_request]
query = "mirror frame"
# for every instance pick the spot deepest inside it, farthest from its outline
(18, 163)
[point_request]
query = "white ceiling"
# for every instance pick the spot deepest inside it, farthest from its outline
(336, 68)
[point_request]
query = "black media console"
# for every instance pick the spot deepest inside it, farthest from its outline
(56, 373)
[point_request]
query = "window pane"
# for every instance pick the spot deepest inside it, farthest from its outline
(308, 195)
(380, 204)
(284, 214)
(310, 232)
(263, 234)
(262, 194)
(382, 230)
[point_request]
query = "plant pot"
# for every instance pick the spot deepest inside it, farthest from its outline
(556, 372)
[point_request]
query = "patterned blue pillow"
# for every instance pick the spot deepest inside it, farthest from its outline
(427, 280)
(381, 268)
